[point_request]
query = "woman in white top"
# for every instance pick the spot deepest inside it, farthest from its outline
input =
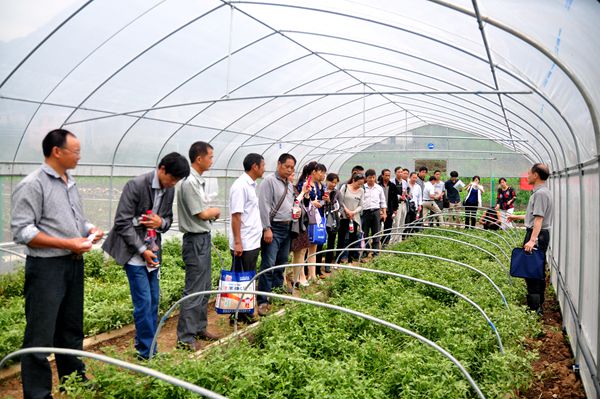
(351, 198)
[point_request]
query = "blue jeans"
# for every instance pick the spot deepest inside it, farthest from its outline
(145, 292)
(275, 253)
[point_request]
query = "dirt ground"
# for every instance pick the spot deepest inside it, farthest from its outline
(553, 370)
(554, 375)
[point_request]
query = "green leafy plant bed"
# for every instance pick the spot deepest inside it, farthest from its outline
(107, 301)
(314, 352)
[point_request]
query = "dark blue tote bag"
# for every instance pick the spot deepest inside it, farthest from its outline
(527, 264)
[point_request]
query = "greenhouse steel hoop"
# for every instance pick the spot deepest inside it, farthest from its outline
(15, 253)
(218, 254)
(364, 316)
(390, 251)
(462, 233)
(119, 363)
(453, 240)
(384, 272)
(389, 232)
(414, 224)
(428, 217)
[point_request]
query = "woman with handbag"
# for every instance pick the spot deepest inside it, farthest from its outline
(351, 198)
(309, 184)
(472, 201)
(331, 210)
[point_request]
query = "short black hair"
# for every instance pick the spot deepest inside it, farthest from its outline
(252, 159)
(500, 180)
(176, 165)
(454, 174)
(357, 168)
(397, 168)
(320, 167)
(423, 168)
(385, 170)
(370, 172)
(199, 149)
(437, 170)
(332, 177)
(476, 177)
(412, 173)
(405, 170)
(55, 138)
(542, 171)
(284, 157)
(432, 178)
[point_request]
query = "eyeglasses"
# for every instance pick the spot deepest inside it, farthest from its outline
(358, 176)
(71, 151)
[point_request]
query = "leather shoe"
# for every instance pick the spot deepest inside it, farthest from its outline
(207, 336)
(263, 309)
(187, 346)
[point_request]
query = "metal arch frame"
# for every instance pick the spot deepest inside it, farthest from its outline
(119, 363)
(43, 102)
(593, 116)
(434, 228)
(456, 8)
(348, 311)
(390, 251)
(440, 66)
(391, 232)
(376, 271)
(372, 21)
(415, 225)
(40, 44)
(491, 64)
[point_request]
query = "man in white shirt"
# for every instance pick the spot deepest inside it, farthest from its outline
(429, 198)
(440, 189)
(246, 229)
(374, 208)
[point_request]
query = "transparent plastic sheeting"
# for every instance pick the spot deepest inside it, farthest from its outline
(337, 81)
(251, 76)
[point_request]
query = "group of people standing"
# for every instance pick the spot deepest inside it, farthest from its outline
(271, 219)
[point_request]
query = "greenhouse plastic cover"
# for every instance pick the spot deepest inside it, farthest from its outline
(322, 80)
(302, 77)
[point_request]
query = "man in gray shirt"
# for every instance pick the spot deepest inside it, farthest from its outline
(538, 219)
(47, 216)
(195, 217)
(276, 199)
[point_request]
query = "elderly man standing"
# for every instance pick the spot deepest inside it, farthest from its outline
(276, 199)
(47, 216)
(538, 219)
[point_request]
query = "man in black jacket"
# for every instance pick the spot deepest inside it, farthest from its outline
(391, 196)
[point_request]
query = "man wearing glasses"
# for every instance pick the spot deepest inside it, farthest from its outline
(47, 217)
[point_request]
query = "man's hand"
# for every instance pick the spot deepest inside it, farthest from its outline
(152, 221)
(529, 246)
(268, 236)
(99, 234)
(238, 250)
(316, 204)
(350, 214)
(78, 245)
(149, 258)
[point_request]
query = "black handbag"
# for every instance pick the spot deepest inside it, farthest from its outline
(527, 264)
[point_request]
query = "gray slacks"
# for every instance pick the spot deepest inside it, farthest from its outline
(193, 315)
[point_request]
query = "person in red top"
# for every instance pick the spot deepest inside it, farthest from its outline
(505, 201)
